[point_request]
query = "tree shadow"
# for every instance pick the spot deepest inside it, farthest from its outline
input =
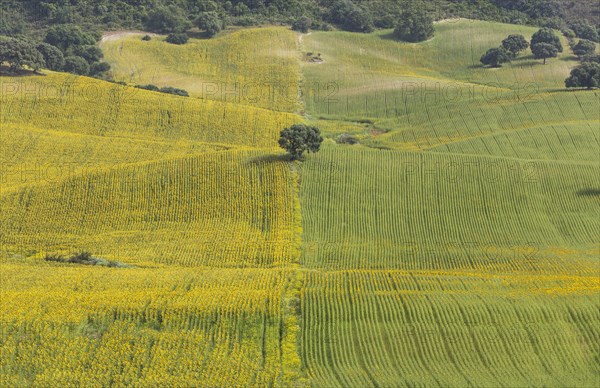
(271, 158)
(6, 72)
(198, 34)
(390, 36)
(589, 193)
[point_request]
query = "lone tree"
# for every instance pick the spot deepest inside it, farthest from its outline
(18, 53)
(546, 35)
(414, 26)
(300, 138)
(544, 51)
(495, 57)
(514, 44)
(587, 75)
(210, 22)
(177, 38)
(584, 48)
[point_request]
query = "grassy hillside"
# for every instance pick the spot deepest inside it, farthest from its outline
(456, 245)
(255, 67)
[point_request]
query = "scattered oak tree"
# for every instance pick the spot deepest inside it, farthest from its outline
(584, 48)
(300, 138)
(177, 38)
(514, 44)
(210, 22)
(166, 20)
(302, 24)
(18, 53)
(350, 16)
(65, 36)
(546, 35)
(544, 51)
(587, 75)
(495, 57)
(77, 65)
(414, 26)
(584, 30)
(53, 57)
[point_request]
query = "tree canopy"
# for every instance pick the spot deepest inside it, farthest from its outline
(544, 51)
(587, 75)
(584, 48)
(495, 57)
(210, 22)
(19, 53)
(414, 25)
(546, 35)
(300, 138)
(514, 44)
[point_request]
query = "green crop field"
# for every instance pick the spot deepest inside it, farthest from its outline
(457, 244)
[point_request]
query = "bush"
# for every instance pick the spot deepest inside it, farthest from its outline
(76, 65)
(584, 48)
(414, 26)
(346, 139)
(53, 57)
(175, 91)
(302, 24)
(91, 53)
(153, 88)
(591, 58)
(584, 30)
(177, 38)
(146, 38)
(98, 68)
(587, 75)
(495, 57)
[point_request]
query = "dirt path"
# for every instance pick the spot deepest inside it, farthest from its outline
(116, 35)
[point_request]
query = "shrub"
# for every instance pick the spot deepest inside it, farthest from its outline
(346, 139)
(584, 30)
(153, 88)
(175, 91)
(146, 38)
(495, 57)
(587, 75)
(98, 68)
(584, 48)
(177, 38)
(90, 53)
